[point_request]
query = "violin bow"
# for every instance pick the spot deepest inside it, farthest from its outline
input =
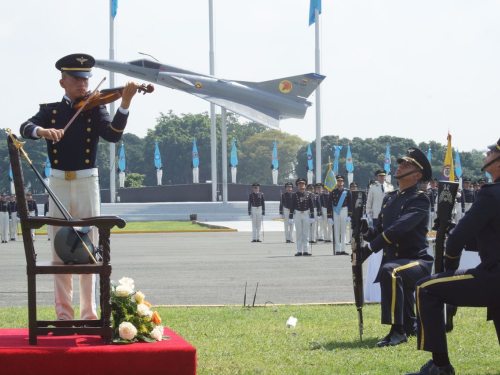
(82, 107)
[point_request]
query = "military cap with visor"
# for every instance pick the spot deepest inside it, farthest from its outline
(300, 181)
(381, 172)
(416, 157)
(288, 184)
(255, 184)
(340, 178)
(76, 65)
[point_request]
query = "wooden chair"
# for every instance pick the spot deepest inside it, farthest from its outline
(102, 326)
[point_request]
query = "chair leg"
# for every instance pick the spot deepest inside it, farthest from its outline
(32, 325)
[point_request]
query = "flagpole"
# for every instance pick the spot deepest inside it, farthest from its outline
(112, 175)
(224, 154)
(213, 129)
(318, 99)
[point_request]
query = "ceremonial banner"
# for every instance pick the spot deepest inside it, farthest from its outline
(349, 165)
(274, 164)
(158, 166)
(448, 170)
(195, 163)
(330, 180)
(309, 165)
(121, 167)
(336, 161)
(387, 163)
(315, 4)
(429, 154)
(234, 162)
(458, 165)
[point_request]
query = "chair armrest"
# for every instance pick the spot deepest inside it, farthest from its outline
(105, 222)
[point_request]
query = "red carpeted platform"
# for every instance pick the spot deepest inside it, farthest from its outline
(77, 355)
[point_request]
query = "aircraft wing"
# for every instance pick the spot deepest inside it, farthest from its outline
(262, 116)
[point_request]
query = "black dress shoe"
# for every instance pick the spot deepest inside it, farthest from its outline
(287, 241)
(320, 240)
(337, 253)
(292, 242)
(392, 339)
(259, 241)
(254, 240)
(343, 253)
(307, 254)
(298, 254)
(431, 369)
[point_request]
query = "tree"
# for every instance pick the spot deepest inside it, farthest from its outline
(134, 180)
(255, 156)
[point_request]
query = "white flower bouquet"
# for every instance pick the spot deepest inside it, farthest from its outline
(132, 317)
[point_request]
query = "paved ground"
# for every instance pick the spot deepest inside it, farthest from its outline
(200, 268)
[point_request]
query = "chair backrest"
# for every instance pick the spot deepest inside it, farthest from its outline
(22, 205)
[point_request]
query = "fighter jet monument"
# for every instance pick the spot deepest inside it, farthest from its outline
(265, 102)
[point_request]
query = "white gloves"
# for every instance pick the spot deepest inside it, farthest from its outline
(330, 221)
(348, 221)
(432, 214)
(281, 216)
(290, 221)
(263, 216)
(250, 217)
(311, 220)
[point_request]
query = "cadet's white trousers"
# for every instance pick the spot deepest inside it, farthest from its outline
(81, 199)
(326, 228)
(13, 226)
(288, 227)
(301, 220)
(256, 222)
(340, 229)
(4, 225)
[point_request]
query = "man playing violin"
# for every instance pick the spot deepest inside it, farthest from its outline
(73, 156)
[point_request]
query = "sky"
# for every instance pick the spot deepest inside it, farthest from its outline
(413, 69)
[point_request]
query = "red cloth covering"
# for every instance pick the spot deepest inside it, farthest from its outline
(77, 355)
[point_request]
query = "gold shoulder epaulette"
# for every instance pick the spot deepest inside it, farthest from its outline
(373, 183)
(49, 104)
(419, 191)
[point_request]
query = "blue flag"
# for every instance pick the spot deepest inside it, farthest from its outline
(114, 8)
(12, 177)
(157, 156)
(330, 180)
(489, 176)
(196, 157)
(315, 4)
(429, 154)
(309, 158)
(458, 165)
(387, 160)
(274, 162)
(349, 165)
(336, 161)
(121, 159)
(234, 155)
(47, 168)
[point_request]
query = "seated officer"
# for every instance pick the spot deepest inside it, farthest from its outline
(401, 233)
(478, 230)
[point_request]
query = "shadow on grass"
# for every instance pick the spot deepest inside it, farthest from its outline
(368, 343)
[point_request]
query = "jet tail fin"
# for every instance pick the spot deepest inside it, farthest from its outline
(301, 86)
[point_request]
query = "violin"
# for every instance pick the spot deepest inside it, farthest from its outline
(107, 96)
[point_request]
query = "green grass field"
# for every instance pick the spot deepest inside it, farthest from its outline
(237, 340)
(150, 226)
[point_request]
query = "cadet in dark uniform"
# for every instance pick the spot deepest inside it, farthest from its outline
(401, 233)
(32, 210)
(318, 225)
(338, 213)
(467, 196)
(73, 156)
(302, 213)
(285, 204)
(256, 211)
(475, 186)
(435, 191)
(12, 206)
(477, 287)
(313, 232)
(4, 218)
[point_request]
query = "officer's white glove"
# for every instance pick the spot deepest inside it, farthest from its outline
(10, 220)
(250, 217)
(369, 217)
(330, 221)
(281, 216)
(432, 214)
(311, 220)
(463, 214)
(290, 221)
(348, 221)
(263, 216)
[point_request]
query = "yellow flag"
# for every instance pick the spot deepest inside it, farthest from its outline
(330, 180)
(448, 169)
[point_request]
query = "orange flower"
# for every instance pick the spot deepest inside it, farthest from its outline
(156, 318)
(147, 303)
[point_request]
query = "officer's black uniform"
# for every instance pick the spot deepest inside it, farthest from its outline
(32, 207)
(401, 233)
(467, 197)
(286, 201)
